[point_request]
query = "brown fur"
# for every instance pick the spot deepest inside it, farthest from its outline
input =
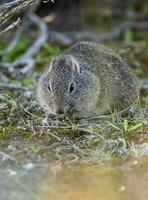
(101, 80)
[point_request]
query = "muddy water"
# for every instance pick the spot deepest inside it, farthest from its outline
(81, 182)
(39, 175)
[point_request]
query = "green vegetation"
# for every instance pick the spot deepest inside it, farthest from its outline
(103, 151)
(16, 52)
(21, 116)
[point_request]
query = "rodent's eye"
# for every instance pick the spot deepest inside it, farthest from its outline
(49, 88)
(71, 87)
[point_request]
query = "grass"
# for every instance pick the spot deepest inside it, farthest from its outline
(21, 119)
(25, 140)
(94, 140)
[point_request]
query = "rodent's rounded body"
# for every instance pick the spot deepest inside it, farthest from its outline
(87, 80)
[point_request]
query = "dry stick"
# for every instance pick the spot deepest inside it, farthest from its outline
(137, 16)
(35, 47)
(11, 26)
(13, 87)
(12, 8)
(58, 38)
(27, 58)
(71, 37)
(115, 33)
(20, 32)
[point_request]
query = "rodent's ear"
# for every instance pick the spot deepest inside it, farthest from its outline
(75, 66)
(53, 60)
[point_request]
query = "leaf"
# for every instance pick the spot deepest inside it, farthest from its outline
(114, 126)
(15, 82)
(128, 35)
(131, 128)
(28, 82)
(51, 50)
(17, 51)
(125, 124)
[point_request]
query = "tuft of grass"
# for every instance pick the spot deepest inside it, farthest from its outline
(17, 51)
(45, 55)
(128, 35)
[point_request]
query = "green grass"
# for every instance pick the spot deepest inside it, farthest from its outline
(103, 138)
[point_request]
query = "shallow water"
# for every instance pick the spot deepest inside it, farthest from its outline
(80, 182)
(35, 172)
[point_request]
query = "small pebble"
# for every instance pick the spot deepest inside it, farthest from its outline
(28, 94)
(135, 162)
(29, 166)
(122, 188)
(12, 173)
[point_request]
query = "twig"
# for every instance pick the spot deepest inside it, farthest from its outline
(25, 110)
(3, 78)
(66, 39)
(13, 87)
(11, 26)
(114, 34)
(136, 16)
(62, 39)
(12, 8)
(35, 47)
(42, 35)
(21, 31)
(27, 58)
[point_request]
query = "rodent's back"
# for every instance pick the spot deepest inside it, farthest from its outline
(117, 81)
(88, 79)
(91, 53)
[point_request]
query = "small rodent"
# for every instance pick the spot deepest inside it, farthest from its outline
(87, 80)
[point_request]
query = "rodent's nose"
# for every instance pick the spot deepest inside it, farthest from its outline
(59, 111)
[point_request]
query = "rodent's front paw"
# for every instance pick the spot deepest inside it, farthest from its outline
(45, 121)
(60, 117)
(54, 116)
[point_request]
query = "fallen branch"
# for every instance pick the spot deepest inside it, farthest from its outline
(66, 39)
(26, 59)
(114, 34)
(136, 16)
(7, 10)
(63, 39)
(58, 38)
(19, 33)
(12, 87)
(11, 26)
